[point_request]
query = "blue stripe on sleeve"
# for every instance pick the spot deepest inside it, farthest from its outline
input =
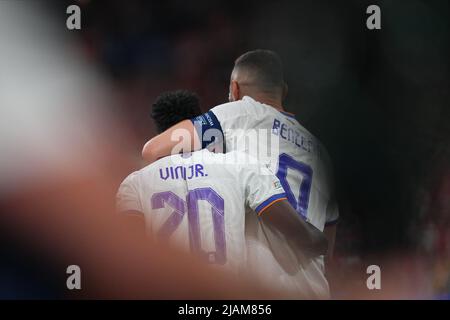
(205, 122)
(269, 201)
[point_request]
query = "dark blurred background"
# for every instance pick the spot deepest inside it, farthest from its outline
(377, 99)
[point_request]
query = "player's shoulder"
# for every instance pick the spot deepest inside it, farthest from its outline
(318, 146)
(241, 158)
(232, 162)
(245, 106)
(245, 163)
(199, 157)
(132, 180)
(225, 160)
(229, 109)
(148, 169)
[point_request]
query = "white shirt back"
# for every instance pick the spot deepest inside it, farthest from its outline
(300, 162)
(199, 201)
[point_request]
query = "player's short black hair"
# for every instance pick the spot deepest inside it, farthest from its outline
(174, 106)
(266, 67)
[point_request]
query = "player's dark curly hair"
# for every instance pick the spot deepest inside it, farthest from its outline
(174, 106)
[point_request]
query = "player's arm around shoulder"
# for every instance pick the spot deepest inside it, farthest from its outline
(190, 135)
(303, 237)
(266, 196)
(182, 137)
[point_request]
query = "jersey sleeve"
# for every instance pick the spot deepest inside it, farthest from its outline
(212, 126)
(127, 198)
(262, 188)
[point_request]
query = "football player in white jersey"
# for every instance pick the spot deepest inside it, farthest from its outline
(257, 89)
(199, 200)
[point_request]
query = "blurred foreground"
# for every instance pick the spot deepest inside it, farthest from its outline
(65, 145)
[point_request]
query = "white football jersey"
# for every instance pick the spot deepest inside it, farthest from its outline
(198, 201)
(303, 167)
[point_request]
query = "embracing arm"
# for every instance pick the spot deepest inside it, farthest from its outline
(301, 235)
(182, 137)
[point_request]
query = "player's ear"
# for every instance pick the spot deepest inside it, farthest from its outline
(234, 90)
